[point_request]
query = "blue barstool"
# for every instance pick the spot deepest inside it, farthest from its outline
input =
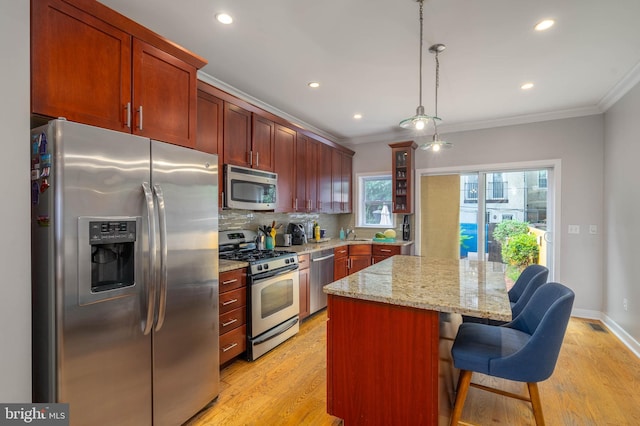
(527, 283)
(524, 350)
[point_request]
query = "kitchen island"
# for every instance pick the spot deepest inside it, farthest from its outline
(383, 334)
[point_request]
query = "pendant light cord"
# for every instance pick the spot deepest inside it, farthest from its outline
(435, 124)
(420, 76)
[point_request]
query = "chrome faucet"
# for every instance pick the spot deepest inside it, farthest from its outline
(349, 232)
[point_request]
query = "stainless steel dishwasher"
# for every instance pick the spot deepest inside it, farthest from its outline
(321, 275)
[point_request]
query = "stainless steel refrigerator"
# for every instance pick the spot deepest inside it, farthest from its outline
(125, 276)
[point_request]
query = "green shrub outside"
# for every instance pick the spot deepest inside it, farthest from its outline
(508, 228)
(519, 247)
(521, 250)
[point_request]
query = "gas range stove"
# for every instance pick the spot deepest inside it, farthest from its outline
(240, 246)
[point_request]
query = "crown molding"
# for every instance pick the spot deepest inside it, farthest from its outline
(263, 105)
(476, 125)
(628, 82)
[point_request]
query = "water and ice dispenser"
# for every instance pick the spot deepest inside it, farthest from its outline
(108, 252)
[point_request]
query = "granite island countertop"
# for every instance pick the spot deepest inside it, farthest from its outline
(467, 287)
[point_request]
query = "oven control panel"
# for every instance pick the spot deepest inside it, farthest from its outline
(272, 264)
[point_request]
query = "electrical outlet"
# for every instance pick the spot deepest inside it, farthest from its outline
(574, 229)
(593, 229)
(625, 305)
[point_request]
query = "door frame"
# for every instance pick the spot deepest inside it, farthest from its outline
(554, 186)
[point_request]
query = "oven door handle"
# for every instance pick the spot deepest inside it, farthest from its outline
(277, 331)
(269, 274)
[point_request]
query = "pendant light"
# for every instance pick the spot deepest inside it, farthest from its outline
(436, 144)
(420, 120)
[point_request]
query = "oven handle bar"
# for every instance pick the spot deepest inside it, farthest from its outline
(275, 332)
(275, 272)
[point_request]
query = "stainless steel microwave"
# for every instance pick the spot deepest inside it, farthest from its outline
(249, 189)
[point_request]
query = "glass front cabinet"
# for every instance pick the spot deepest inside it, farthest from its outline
(403, 165)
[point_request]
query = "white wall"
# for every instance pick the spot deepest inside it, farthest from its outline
(15, 287)
(622, 212)
(579, 145)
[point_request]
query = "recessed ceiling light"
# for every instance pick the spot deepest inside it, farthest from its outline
(223, 18)
(527, 86)
(544, 25)
(357, 116)
(314, 84)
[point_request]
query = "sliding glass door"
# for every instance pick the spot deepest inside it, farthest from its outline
(489, 198)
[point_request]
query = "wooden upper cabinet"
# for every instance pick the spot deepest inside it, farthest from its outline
(237, 135)
(92, 65)
(210, 122)
(402, 167)
(306, 161)
(324, 178)
(347, 177)
(341, 181)
(285, 167)
(80, 66)
(164, 96)
(262, 143)
(210, 129)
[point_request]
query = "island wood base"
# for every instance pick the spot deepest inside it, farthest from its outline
(382, 363)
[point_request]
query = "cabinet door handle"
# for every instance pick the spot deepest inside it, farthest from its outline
(250, 158)
(229, 302)
(140, 118)
(127, 108)
(295, 204)
(235, 280)
(257, 159)
(224, 324)
(385, 250)
(231, 346)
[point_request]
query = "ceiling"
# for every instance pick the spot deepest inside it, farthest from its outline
(364, 53)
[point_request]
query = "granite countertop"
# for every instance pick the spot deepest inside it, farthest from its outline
(230, 265)
(333, 243)
(463, 286)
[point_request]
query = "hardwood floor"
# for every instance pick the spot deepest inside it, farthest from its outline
(596, 382)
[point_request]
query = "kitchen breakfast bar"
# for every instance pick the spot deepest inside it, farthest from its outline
(389, 333)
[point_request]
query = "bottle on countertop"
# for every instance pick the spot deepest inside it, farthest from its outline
(342, 236)
(316, 231)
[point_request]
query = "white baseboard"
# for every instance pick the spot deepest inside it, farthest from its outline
(618, 331)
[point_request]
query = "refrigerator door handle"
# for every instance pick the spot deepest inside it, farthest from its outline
(162, 217)
(151, 283)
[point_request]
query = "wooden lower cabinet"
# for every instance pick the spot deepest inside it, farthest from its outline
(304, 263)
(233, 344)
(232, 302)
(382, 363)
(380, 252)
(340, 262)
(359, 257)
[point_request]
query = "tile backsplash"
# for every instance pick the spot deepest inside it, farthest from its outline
(245, 219)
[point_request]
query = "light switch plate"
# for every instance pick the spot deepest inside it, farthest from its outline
(574, 229)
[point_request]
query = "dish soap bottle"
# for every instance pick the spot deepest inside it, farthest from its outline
(342, 234)
(316, 231)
